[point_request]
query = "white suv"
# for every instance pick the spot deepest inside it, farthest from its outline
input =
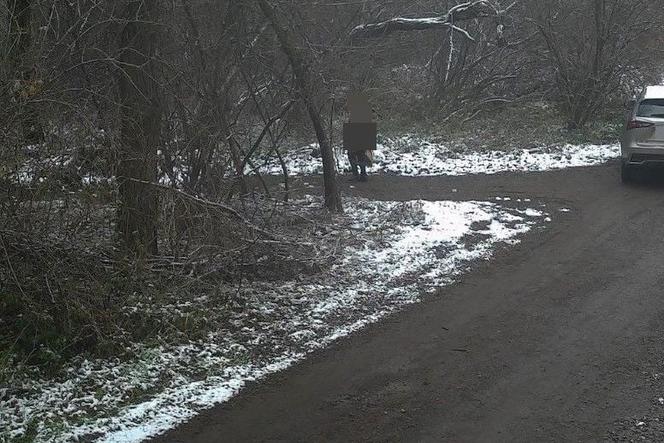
(643, 140)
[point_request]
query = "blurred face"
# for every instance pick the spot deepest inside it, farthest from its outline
(359, 108)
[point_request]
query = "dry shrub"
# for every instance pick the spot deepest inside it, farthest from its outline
(66, 290)
(56, 298)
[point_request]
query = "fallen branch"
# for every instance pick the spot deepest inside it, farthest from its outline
(460, 13)
(220, 206)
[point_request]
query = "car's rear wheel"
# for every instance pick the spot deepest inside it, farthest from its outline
(627, 173)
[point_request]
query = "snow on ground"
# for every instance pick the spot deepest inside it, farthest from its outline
(411, 156)
(407, 155)
(389, 264)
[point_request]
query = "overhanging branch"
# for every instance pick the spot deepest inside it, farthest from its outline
(460, 13)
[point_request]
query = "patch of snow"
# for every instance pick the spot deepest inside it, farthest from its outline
(163, 386)
(532, 213)
(410, 156)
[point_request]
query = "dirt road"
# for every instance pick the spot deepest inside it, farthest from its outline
(557, 339)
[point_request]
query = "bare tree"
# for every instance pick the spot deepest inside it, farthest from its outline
(140, 125)
(26, 84)
(591, 46)
(307, 89)
(472, 60)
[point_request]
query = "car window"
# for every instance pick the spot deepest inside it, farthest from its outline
(651, 108)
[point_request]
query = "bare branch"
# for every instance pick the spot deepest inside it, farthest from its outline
(460, 13)
(211, 204)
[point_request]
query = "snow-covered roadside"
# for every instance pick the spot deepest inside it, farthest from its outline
(407, 155)
(390, 265)
(410, 156)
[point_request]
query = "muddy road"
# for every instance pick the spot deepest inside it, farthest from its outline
(556, 339)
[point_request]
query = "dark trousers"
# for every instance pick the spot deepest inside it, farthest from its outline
(358, 163)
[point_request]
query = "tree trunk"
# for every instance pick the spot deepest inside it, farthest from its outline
(140, 124)
(305, 85)
(587, 100)
(20, 37)
(22, 72)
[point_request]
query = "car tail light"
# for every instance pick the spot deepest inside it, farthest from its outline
(638, 124)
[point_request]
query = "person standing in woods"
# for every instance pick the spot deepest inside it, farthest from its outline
(360, 135)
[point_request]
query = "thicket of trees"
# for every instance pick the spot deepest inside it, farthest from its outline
(211, 85)
(109, 107)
